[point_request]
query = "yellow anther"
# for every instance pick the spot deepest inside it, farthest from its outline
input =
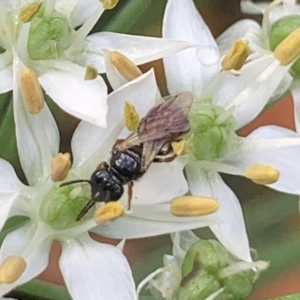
(31, 91)
(27, 13)
(180, 147)
(289, 49)
(131, 116)
(109, 212)
(192, 206)
(60, 166)
(90, 72)
(124, 65)
(109, 4)
(12, 268)
(262, 174)
(235, 59)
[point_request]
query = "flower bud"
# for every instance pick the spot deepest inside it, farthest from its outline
(60, 166)
(12, 268)
(109, 212)
(49, 37)
(131, 116)
(31, 91)
(124, 66)
(237, 56)
(109, 4)
(262, 174)
(27, 13)
(90, 72)
(191, 206)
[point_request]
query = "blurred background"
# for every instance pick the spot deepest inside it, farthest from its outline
(272, 218)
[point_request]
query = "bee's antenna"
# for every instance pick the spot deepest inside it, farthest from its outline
(86, 209)
(74, 181)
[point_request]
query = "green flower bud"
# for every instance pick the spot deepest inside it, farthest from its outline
(211, 254)
(62, 205)
(212, 132)
(198, 287)
(49, 37)
(279, 31)
(239, 286)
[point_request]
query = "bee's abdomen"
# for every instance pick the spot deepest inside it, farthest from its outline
(126, 164)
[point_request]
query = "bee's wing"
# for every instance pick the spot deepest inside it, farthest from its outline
(162, 121)
(150, 150)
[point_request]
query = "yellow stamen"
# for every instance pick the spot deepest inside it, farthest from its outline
(289, 49)
(109, 4)
(262, 174)
(131, 116)
(180, 147)
(109, 212)
(235, 59)
(27, 13)
(124, 65)
(31, 91)
(60, 166)
(12, 268)
(192, 206)
(90, 72)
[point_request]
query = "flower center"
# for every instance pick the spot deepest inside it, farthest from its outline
(62, 205)
(212, 132)
(279, 31)
(49, 36)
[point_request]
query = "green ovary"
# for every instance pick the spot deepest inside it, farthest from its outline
(61, 206)
(279, 31)
(49, 37)
(212, 132)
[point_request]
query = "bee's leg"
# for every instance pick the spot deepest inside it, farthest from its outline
(118, 141)
(167, 158)
(130, 185)
(166, 149)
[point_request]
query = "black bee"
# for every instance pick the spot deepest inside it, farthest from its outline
(130, 158)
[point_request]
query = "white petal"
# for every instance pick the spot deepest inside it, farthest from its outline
(16, 243)
(9, 181)
(96, 271)
(7, 199)
(6, 72)
(250, 91)
(295, 91)
(161, 183)
(83, 11)
(190, 69)
(282, 158)
(152, 220)
(37, 135)
(93, 143)
(248, 7)
(85, 99)
(139, 49)
(244, 29)
(231, 232)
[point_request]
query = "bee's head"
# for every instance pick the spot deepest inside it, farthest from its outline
(105, 187)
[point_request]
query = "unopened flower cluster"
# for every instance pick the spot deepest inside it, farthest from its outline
(48, 55)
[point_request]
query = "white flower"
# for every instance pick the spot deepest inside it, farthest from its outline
(52, 210)
(224, 103)
(273, 12)
(59, 55)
